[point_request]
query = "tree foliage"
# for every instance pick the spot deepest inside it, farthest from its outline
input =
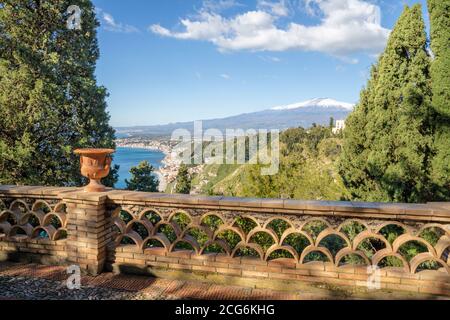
(50, 102)
(306, 171)
(388, 140)
(143, 178)
(440, 75)
(184, 180)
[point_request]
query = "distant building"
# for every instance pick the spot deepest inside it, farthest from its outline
(340, 125)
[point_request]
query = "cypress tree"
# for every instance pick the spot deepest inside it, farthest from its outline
(184, 180)
(50, 102)
(142, 178)
(440, 73)
(391, 159)
(353, 159)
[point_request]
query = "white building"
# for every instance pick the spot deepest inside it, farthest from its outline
(340, 125)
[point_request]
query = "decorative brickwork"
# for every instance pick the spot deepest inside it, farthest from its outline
(271, 242)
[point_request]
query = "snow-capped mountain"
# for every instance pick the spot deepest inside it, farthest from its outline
(302, 114)
(318, 102)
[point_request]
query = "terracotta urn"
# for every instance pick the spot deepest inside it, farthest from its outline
(95, 165)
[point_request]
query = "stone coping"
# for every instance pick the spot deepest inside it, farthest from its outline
(429, 212)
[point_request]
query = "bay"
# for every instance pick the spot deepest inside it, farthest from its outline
(131, 157)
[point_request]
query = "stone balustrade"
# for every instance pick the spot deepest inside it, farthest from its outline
(270, 243)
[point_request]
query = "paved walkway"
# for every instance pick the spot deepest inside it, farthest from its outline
(31, 281)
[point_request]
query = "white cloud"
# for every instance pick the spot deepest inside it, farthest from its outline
(346, 27)
(225, 76)
(277, 8)
(110, 24)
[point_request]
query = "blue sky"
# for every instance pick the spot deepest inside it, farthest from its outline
(166, 61)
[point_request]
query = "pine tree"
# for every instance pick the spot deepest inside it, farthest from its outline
(184, 181)
(391, 159)
(143, 178)
(440, 73)
(50, 103)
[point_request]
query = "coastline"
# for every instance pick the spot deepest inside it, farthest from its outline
(169, 167)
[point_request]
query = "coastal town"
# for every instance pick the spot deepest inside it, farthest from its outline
(170, 165)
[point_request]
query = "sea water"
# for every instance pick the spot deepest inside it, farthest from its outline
(131, 157)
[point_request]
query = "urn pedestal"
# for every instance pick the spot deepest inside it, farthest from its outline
(95, 165)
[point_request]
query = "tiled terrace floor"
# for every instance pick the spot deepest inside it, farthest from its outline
(31, 281)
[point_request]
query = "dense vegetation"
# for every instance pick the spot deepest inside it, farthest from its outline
(307, 170)
(440, 78)
(396, 145)
(143, 178)
(50, 102)
(184, 180)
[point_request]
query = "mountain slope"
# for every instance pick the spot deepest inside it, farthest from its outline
(302, 114)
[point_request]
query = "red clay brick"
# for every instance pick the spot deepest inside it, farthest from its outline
(203, 268)
(254, 274)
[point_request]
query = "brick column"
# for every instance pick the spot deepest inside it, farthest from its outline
(88, 230)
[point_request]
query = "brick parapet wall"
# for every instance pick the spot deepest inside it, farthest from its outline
(221, 267)
(95, 233)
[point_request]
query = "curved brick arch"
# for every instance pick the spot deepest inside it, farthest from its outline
(314, 219)
(444, 228)
(133, 235)
(368, 235)
(223, 244)
(39, 215)
(117, 211)
(348, 251)
(209, 233)
(405, 238)
(287, 248)
(407, 229)
(60, 234)
(270, 220)
(161, 238)
(212, 214)
(62, 218)
(442, 245)
(28, 229)
(180, 211)
(141, 215)
(5, 214)
(331, 232)
(246, 216)
(120, 224)
(292, 231)
(16, 204)
(39, 205)
(426, 256)
(19, 218)
(60, 207)
(313, 248)
(380, 255)
(187, 239)
(346, 222)
(256, 230)
(224, 228)
(50, 230)
(254, 246)
(173, 225)
(145, 223)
